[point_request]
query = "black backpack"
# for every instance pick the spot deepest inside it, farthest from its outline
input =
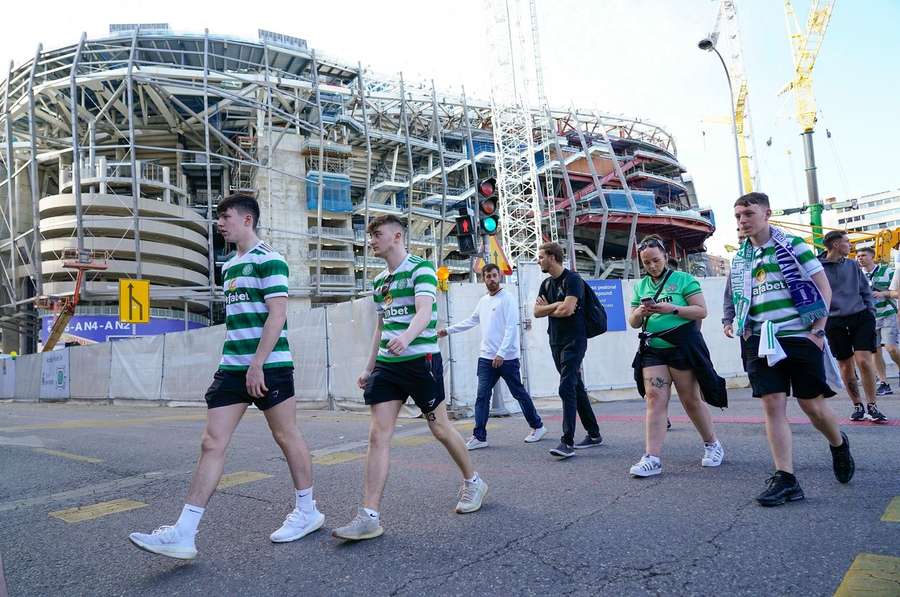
(594, 313)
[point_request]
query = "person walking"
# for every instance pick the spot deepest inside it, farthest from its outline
(561, 298)
(666, 305)
(497, 313)
(880, 276)
(256, 368)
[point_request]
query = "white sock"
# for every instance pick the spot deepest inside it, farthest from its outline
(305, 499)
(189, 520)
(371, 513)
(473, 479)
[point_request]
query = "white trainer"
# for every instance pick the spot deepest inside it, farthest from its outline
(166, 541)
(647, 466)
(473, 443)
(298, 524)
(713, 454)
(536, 435)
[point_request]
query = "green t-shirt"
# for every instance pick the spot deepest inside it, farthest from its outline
(678, 288)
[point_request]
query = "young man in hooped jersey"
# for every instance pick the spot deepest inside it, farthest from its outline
(402, 363)
(256, 368)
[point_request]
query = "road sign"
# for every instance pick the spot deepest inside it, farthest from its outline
(495, 255)
(134, 301)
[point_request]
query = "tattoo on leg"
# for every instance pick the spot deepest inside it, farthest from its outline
(430, 417)
(658, 382)
(853, 390)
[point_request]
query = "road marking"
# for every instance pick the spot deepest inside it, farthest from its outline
(871, 575)
(754, 420)
(22, 441)
(413, 440)
(892, 512)
(104, 423)
(83, 513)
(68, 455)
(337, 458)
(90, 490)
(239, 478)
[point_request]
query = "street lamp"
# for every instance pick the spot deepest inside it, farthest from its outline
(709, 45)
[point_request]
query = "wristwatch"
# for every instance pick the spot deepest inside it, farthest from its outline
(818, 333)
(675, 311)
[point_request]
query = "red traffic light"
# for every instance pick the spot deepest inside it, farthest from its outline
(487, 187)
(488, 206)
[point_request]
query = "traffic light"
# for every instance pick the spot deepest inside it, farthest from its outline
(465, 232)
(487, 206)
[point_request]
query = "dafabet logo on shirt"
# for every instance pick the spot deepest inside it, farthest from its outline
(397, 311)
(769, 287)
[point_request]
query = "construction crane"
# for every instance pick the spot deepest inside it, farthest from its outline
(545, 129)
(805, 46)
(64, 307)
(513, 127)
(727, 27)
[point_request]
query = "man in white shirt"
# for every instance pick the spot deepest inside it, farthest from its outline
(498, 314)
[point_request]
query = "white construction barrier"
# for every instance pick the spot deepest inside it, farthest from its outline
(330, 347)
(55, 375)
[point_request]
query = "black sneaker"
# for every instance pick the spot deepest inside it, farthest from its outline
(782, 488)
(842, 461)
(589, 442)
(859, 412)
(874, 414)
(883, 389)
(563, 451)
(668, 424)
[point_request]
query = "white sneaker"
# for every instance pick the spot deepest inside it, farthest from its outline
(536, 435)
(166, 541)
(298, 524)
(647, 466)
(473, 443)
(713, 454)
(471, 495)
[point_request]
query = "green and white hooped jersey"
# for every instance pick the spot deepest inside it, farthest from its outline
(248, 280)
(395, 299)
(770, 298)
(880, 280)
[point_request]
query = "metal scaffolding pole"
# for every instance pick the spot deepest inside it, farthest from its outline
(33, 182)
(570, 220)
(365, 116)
(210, 249)
(596, 181)
(634, 267)
(320, 191)
(135, 193)
(268, 137)
(439, 138)
(10, 189)
(76, 152)
(471, 146)
(409, 160)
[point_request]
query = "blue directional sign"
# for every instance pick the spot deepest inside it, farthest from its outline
(610, 294)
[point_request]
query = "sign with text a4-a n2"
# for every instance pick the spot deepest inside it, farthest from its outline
(609, 293)
(134, 301)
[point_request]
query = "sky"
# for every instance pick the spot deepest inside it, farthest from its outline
(633, 57)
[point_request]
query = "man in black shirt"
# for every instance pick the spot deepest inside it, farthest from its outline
(561, 298)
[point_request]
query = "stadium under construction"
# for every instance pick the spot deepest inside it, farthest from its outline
(122, 146)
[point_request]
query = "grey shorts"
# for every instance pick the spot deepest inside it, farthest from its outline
(886, 331)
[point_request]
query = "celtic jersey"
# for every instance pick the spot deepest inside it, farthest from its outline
(395, 299)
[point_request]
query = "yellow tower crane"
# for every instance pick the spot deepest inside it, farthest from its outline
(805, 46)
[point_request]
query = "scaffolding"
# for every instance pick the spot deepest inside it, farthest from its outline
(125, 144)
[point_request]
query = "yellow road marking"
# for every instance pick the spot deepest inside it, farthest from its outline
(104, 423)
(82, 513)
(239, 478)
(337, 458)
(68, 455)
(413, 440)
(871, 575)
(892, 512)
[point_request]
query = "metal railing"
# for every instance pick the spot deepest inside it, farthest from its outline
(347, 233)
(331, 255)
(333, 279)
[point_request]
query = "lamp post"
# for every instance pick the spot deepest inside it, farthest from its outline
(709, 45)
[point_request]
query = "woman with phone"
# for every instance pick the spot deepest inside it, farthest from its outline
(666, 306)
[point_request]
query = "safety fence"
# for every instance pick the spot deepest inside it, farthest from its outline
(330, 347)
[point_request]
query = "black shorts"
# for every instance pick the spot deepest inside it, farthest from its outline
(667, 357)
(850, 333)
(801, 374)
(421, 379)
(230, 387)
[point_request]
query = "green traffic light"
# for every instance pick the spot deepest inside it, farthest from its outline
(489, 225)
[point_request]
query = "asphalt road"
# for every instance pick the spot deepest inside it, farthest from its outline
(576, 527)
